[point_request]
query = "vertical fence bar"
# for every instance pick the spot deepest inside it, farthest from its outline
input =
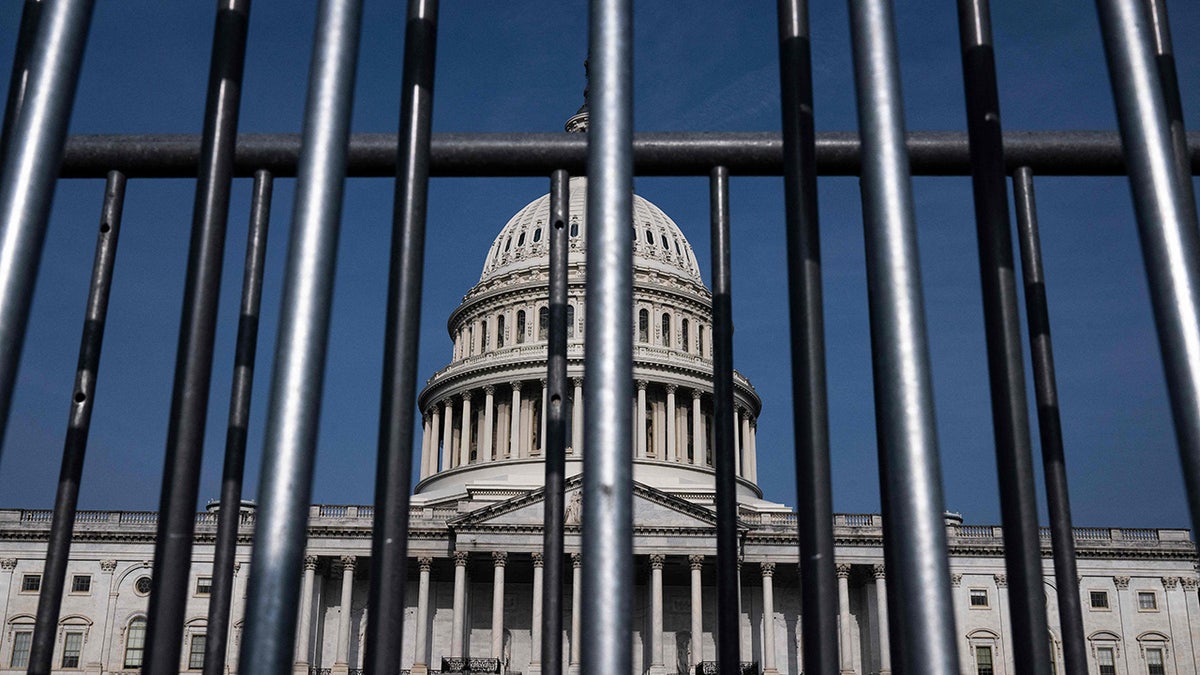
(608, 381)
(229, 514)
(1166, 214)
(1002, 323)
(814, 514)
(197, 330)
(285, 485)
(556, 430)
(1054, 465)
(19, 78)
(30, 171)
(910, 474)
(58, 549)
(393, 474)
(1165, 58)
(728, 611)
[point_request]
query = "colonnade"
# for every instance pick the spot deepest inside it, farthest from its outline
(488, 424)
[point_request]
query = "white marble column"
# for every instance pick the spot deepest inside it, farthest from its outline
(460, 601)
(341, 662)
(737, 443)
(464, 453)
(576, 609)
(425, 437)
(697, 430)
(753, 468)
(639, 420)
(435, 428)
(697, 652)
(577, 418)
(1127, 608)
(672, 420)
(656, 613)
(447, 435)
(514, 425)
(535, 624)
(885, 642)
(1176, 609)
(303, 650)
(108, 567)
(499, 561)
(768, 591)
(1192, 602)
(542, 421)
(420, 654)
(843, 581)
(489, 420)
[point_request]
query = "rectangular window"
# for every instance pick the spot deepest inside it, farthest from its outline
(204, 586)
(1147, 601)
(135, 643)
(1154, 662)
(979, 597)
(31, 583)
(1104, 657)
(983, 661)
(22, 640)
(81, 583)
(1099, 599)
(72, 646)
(196, 652)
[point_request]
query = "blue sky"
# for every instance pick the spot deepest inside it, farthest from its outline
(517, 66)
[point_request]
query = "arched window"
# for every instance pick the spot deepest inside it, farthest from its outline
(702, 347)
(574, 228)
(663, 239)
(683, 336)
(678, 250)
(483, 336)
(507, 244)
(135, 642)
(520, 336)
(643, 326)
(499, 331)
(537, 235)
(470, 340)
(521, 239)
(570, 321)
(543, 323)
(666, 330)
(649, 237)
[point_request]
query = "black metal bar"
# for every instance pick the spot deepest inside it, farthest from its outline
(556, 430)
(810, 409)
(1166, 213)
(19, 78)
(197, 330)
(910, 470)
(285, 483)
(393, 474)
(29, 173)
(229, 514)
(1002, 323)
(838, 153)
(1165, 58)
(1054, 465)
(58, 549)
(607, 584)
(728, 611)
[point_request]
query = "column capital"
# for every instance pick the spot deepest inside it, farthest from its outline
(1189, 583)
(310, 562)
(447, 402)
(577, 381)
(425, 563)
(108, 566)
(8, 564)
(348, 563)
(539, 560)
(576, 560)
(879, 571)
(542, 381)
(843, 570)
(956, 580)
(489, 389)
(516, 386)
(671, 388)
(425, 415)
(657, 560)
(1121, 582)
(500, 558)
(1170, 582)
(237, 566)
(767, 567)
(466, 395)
(460, 558)
(696, 394)
(641, 384)
(696, 562)
(1001, 580)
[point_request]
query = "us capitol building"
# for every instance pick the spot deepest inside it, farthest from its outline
(476, 530)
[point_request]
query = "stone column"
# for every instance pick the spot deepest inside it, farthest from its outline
(499, 560)
(1192, 601)
(424, 445)
(753, 469)
(306, 612)
(576, 609)
(542, 421)
(697, 655)
(885, 642)
(514, 425)
(535, 626)
(108, 567)
(435, 426)
(768, 591)
(697, 430)
(447, 435)
(489, 417)
(1176, 607)
(577, 418)
(1127, 608)
(464, 447)
(341, 663)
(460, 597)
(420, 655)
(672, 420)
(656, 613)
(843, 581)
(737, 443)
(639, 420)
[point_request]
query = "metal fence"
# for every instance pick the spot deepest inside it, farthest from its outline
(1151, 148)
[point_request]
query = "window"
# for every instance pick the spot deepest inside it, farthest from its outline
(678, 250)
(196, 652)
(204, 586)
(1108, 664)
(643, 326)
(570, 321)
(499, 331)
(22, 639)
(1147, 601)
(666, 330)
(1099, 599)
(520, 336)
(684, 336)
(537, 235)
(31, 583)
(507, 244)
(81, 583)
(983, 661)
(135, 643)
(665, 245)
(1154, 662)
(72, 646)
(483, 336)
(979, 597)
(543, 323)
(649, 237)
(521, 240)
(574, 228)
